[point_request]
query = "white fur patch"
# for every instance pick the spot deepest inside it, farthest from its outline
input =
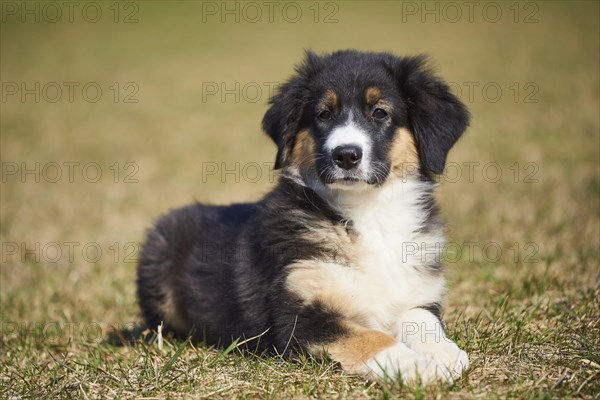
(422, 332)
(391, 278)
(348, 134)
(410, 365)
(351, 135)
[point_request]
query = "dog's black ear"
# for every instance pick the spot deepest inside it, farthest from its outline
(437, 117)
(284, 119)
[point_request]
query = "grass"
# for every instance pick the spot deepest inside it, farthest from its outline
(529, 317)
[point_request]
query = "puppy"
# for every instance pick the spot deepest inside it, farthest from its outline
(342, 257)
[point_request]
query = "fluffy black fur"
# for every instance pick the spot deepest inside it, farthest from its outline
(226, 269)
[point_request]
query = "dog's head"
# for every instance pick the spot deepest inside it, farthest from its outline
(353, 120)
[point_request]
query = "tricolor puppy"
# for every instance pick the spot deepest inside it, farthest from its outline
(342, 257)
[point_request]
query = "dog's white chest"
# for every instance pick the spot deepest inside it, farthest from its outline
(389, 275)
(383, 272)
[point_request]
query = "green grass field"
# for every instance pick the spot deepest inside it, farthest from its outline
(134, 108)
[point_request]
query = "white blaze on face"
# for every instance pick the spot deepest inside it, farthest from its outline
(351, 134)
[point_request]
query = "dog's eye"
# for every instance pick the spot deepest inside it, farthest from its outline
(325, 115)
(379, 113)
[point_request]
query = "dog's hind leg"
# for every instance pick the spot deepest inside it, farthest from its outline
(160, 269)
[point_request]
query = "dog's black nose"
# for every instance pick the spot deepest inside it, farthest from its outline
(347, 157)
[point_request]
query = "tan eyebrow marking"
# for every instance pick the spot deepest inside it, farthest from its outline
(372, 95)
(330, 99)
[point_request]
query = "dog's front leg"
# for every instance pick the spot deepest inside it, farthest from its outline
(378, 356)
(420, 330)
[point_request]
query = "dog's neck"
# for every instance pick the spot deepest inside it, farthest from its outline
(395, 197)
(409, 194)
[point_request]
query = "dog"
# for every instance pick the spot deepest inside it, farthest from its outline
(341, 258)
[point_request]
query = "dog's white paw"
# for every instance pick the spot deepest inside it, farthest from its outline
(448, 355)
(423, 333)
(454, 359)
(399, 362)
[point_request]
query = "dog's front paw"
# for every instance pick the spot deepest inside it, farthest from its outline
(400, 362)
(448, 355)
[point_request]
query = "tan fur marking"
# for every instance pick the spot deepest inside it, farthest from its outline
(171, 315)
(329, 102)
(330, 99)
(314, 281)
(374, 99)
(355, 349)
(303, 153)
(311, 281)
(372, 95)
(404, 155)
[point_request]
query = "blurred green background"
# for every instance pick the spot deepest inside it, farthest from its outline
(530, 76)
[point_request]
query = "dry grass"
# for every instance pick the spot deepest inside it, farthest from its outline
(529, 318)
